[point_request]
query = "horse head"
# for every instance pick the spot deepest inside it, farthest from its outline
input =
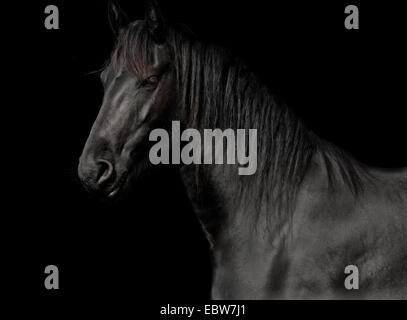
(138, 91)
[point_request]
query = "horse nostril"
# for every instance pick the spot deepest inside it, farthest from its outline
(105, 171)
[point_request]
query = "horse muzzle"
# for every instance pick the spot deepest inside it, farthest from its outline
(99, 176)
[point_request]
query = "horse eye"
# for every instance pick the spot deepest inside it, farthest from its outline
(153, 80)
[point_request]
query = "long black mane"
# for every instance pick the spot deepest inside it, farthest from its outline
(217, 90)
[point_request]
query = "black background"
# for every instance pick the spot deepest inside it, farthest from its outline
(347, 85)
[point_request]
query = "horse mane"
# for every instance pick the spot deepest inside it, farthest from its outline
(217, 90)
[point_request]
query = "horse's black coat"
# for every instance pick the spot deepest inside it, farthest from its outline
(286, 232)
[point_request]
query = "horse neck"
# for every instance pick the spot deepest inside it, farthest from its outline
(216, 90)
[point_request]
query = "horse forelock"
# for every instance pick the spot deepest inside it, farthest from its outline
(133, 49)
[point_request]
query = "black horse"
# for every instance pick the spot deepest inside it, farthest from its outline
(288, 231)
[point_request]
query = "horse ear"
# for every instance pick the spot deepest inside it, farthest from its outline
(117, 18)
(155, 21)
